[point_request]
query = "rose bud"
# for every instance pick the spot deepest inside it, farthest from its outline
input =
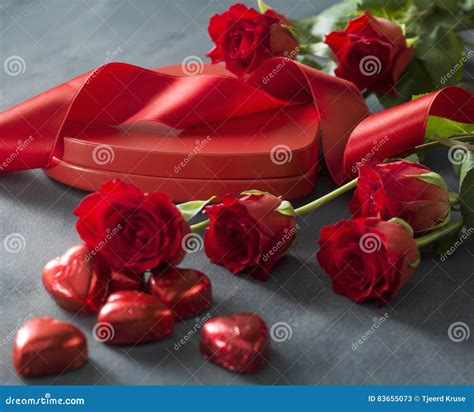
(126, 281)
(250, 233)
(134, 231)
(131, 317)
(244, 38)
(368, 259)
(372, 52)
(186, 292)
(45, 346)
(78, 280)
(402, 189)
(238, 342)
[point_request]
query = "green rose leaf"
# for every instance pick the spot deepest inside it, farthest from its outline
(191, 209)
(434, 179)
(441, 51)
(263, 7)
(333, 18)
(286, 208)
(466, 196)
(414, 80)
(438, 126)
(466, 165)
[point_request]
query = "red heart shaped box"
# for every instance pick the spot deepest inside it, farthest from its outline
(275, 151)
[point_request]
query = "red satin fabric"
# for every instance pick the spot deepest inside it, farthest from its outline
(119, 93)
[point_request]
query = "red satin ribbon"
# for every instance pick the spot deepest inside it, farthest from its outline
(119, 93)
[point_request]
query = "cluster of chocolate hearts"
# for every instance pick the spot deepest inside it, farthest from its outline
(130, 311)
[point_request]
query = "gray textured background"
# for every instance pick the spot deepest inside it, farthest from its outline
(61, 39)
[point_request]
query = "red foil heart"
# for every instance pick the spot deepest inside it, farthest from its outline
(78, 280)
(238, 342)
(45, 346)
(132, 317)
(186, 292)
(126, 281)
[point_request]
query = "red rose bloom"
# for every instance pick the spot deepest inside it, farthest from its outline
(248, 234)
(372, 53)
(401, 189)
(368, 258)
(245, 38)
(134, 231)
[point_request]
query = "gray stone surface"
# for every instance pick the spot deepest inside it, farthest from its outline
(61, 39)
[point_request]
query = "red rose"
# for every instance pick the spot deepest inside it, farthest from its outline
(248, 234)
(401, 189)
(134, 231)
(368, 258)
(245, 38)
(372, 53)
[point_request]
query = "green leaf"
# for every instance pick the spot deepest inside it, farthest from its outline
(466, 196)
(466, 165)
(441, 52)
(438, 126)
(395, 10)
(254, 192)
(433, 179)
(263, 7)
(413, 81)
(404, 224)
(286, 208)
(191, 209)
(333, 18)
(321, 49)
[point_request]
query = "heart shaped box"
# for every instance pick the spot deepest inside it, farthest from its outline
(274, 151)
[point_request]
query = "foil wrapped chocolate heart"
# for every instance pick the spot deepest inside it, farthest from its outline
(133, 317)
(78, 280)
(239, 342)
(45, 346)
(186, 292)
(126, 281)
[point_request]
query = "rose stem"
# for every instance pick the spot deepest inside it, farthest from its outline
(315, 204)
(438, 234)
(429, 145)
(309, 207)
